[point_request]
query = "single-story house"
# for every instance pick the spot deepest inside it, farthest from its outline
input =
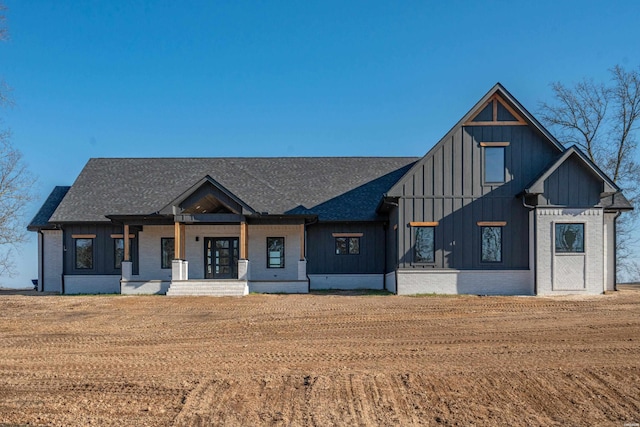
(497, 206)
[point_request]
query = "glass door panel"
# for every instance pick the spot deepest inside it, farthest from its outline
(221, 258)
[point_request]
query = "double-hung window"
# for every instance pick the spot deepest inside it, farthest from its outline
(275, 252)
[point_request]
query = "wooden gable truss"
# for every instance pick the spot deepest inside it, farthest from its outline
(496, 112)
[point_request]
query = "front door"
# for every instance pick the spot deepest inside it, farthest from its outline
(221, 257)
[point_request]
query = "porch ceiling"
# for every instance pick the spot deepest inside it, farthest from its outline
(208, 204)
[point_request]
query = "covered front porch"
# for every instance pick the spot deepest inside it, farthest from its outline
(199, 256)
(223, 248)
(209, 242)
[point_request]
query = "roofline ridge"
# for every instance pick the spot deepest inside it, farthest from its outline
(252, 157)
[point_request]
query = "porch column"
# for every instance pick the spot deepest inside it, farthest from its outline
(179, 241)
(179, 266)
(302, 263)
(244, 240)
(302, 242)
(125, 235)
(243, 262)
(126, 266)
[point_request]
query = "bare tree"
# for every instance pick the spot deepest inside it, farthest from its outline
(4, 35)
(16, 184)
(602, 119)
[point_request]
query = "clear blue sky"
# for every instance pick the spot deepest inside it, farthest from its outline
(281, 78)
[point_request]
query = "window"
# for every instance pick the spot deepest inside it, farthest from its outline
(347, 245)
(275, 252)
(493, 164)
(84, 254)
(118, 251)
(424, 245)
(569, 238)
(491, 244)
(168, 251)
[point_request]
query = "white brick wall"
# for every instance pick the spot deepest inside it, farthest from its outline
(268, 287)
(52, 269)
(195, 250)
(258, 252)
(149, 253)
(476, 282)
(569, 273)
(346, 281)
(390, 281)
(144, 287)
(91, 284)
(609, 252)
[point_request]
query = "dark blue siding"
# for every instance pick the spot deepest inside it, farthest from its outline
(447, 187)
(321, 253)
(571, 185)
(103, 254)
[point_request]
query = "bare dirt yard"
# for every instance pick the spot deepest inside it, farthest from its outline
(320, 360)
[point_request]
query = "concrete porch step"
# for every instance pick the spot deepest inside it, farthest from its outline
(207, 289)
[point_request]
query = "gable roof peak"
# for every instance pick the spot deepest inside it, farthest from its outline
(515, 109)
(173, 207)
(537, 186)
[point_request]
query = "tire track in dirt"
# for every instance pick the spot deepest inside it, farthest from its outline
(412, 398)
(314, 360)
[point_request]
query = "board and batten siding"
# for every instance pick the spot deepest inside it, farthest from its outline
(391, 250)
(571, 185)
(447, 187)
(103, 249)
(321, 249)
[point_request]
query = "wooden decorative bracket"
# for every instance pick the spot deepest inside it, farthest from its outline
(494, 101)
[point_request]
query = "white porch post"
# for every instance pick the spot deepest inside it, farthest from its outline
(127, 270)
(126, 266)
(243, 262)
(179, 266)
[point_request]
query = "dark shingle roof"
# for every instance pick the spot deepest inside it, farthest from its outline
(333, 187)
(616, 201)
(41, 219)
